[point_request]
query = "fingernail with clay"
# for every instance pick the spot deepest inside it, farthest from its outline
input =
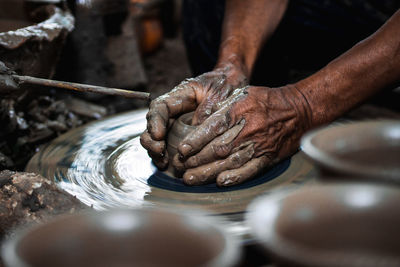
(185, 149)
(224, 181)
(227, 182)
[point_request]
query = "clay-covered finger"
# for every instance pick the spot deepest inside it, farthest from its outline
(209, 172)
(207, 107)
(218, 148)
(157, 119)
(156, 147)
(213, 126)
(160, 161)
(244, 173)
(180, 100)
(178, 165)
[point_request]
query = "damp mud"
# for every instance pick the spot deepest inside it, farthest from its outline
(27, 198)
(179, 130)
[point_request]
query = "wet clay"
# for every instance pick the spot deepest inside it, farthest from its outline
(213, 153)
(179, 130)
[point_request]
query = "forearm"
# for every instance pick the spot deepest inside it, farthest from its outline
(247, 25)
(356, 75)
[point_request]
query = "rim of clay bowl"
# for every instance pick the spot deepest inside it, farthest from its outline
(333, 162)
(57, 21)
(228, 257)
(181, 124)
(184, 117)
(263, 212)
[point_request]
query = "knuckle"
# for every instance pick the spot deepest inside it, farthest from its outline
(143, 140)
(236, 160)
(155, 103)
(221, 125)
(221, 151)
(192, 162)
(150, 126)
(158, 147)
(150, 115)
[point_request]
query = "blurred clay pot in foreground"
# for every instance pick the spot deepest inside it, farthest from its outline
(145, 237)
(342, 224)
(361, 150)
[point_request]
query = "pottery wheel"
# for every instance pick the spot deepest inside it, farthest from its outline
(104, 165)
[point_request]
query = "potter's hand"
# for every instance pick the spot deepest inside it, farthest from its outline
(203, 94)
(254, 128)
(7, 83)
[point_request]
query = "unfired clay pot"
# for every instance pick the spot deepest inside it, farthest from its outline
(142, 237)
(179, 130)
(358, 150)
(338, 224)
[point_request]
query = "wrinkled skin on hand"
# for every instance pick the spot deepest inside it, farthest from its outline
(202, 94)
(254, 128)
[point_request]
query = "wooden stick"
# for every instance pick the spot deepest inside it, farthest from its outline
(82, 87)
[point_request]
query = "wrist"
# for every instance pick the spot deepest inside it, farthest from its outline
(231, 55)
(328, 94)
(234, 71)
(232, 64)
(300, 104)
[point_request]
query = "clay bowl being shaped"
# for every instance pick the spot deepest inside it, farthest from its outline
(342, 224)
(179, 130)
(145, 237)
(32, 35)
(366, 150)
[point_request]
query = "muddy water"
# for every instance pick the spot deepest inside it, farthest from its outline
(13, 24)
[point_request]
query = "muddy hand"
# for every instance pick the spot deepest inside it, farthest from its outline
(254, 128)
(202, 94)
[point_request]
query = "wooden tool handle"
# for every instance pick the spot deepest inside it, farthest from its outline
(83, 87)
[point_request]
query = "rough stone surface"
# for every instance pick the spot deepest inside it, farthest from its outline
(27, 198)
